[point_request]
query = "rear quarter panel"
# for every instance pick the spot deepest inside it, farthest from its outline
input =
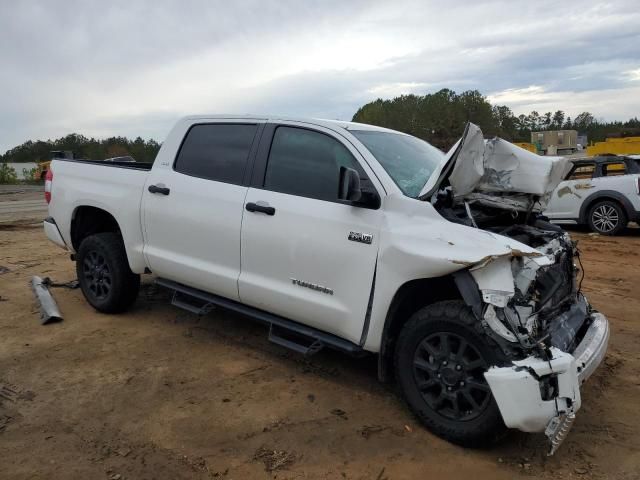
(117, 191)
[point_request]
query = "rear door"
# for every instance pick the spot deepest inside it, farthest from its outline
(618, 175)
(193, 208)
(568, 197)
(308, 257)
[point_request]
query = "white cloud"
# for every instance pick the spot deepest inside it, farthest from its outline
(616, 103)
(389, 90)
(633, 75)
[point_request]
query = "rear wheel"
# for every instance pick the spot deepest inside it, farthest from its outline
(104, 275)
(440, 360)
(607, 218)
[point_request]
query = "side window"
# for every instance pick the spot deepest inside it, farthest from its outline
(216, 151)
(307, 163)
(614, 169)
(582, 172)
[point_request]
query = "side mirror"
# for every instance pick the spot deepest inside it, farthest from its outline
(349, 187)
(351, 192)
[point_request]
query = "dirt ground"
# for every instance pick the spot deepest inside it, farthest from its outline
(161, 393)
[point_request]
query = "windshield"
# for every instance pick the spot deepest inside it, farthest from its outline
(408, 160)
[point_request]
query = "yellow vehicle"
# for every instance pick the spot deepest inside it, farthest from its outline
(43, 167)
(527, 146)
(41, 170)
(615, 146)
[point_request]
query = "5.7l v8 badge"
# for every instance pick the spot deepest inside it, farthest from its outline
(360, 237)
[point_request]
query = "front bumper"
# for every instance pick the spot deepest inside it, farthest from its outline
(521, 390)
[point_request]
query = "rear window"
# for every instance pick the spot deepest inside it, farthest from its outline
(216, 151)
(582, 172)
(614, 169)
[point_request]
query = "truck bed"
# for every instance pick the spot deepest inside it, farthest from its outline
(131, 165)
(114, 187)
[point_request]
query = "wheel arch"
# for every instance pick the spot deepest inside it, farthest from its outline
(416, 294)
(604, 195)
(88, 220)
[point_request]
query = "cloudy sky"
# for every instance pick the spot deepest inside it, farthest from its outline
(131, 67)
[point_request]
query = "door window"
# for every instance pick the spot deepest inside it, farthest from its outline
(216, 151)
(307, 163)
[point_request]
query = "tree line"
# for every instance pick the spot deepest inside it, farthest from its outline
(440, 118)
(437, 117)
(84, 147)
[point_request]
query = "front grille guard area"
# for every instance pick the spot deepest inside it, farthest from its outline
(555, 283)
(562, 310)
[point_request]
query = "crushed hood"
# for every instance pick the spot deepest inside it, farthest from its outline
(496, 173)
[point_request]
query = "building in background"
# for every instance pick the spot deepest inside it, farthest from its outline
(555, 142)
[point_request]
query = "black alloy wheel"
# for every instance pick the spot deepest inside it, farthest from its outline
(449, 374)
(441, 356)
(104, 275)
(96, 274)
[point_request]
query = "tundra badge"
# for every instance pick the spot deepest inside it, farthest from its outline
(360, 237)
(312, 286)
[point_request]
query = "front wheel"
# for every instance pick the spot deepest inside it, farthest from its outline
(104, 275)
(440, 359)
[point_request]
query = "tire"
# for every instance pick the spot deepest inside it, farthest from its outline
(430, 378)
(104, 275)
(607, 218)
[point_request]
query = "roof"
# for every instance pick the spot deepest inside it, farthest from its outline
(332, 124)
(604, 159)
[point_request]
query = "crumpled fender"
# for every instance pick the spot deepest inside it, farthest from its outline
(417, 242)
(414, 230)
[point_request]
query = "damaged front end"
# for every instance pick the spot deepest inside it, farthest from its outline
(529, 301)
(533, 308)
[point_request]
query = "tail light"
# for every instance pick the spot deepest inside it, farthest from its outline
(48, 183)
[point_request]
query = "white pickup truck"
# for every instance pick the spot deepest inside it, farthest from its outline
(361, 239)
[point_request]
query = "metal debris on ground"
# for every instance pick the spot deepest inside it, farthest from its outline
(73, 284)
(49, 311)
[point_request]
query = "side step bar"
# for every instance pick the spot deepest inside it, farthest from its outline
(282, 331)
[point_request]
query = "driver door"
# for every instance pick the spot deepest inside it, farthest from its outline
(300, 257)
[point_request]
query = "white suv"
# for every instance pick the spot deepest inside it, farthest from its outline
(602, 192)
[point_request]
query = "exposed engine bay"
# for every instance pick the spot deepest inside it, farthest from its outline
(543, 306)
(529, 302)
(495, 186)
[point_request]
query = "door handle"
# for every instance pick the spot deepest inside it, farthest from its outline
(254, 207)
(160, 190)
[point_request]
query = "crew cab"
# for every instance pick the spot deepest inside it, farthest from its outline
(358, 238)
(602, 192)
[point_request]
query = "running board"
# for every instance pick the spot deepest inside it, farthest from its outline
(305, 346)
(190, 304)
(282, 331)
